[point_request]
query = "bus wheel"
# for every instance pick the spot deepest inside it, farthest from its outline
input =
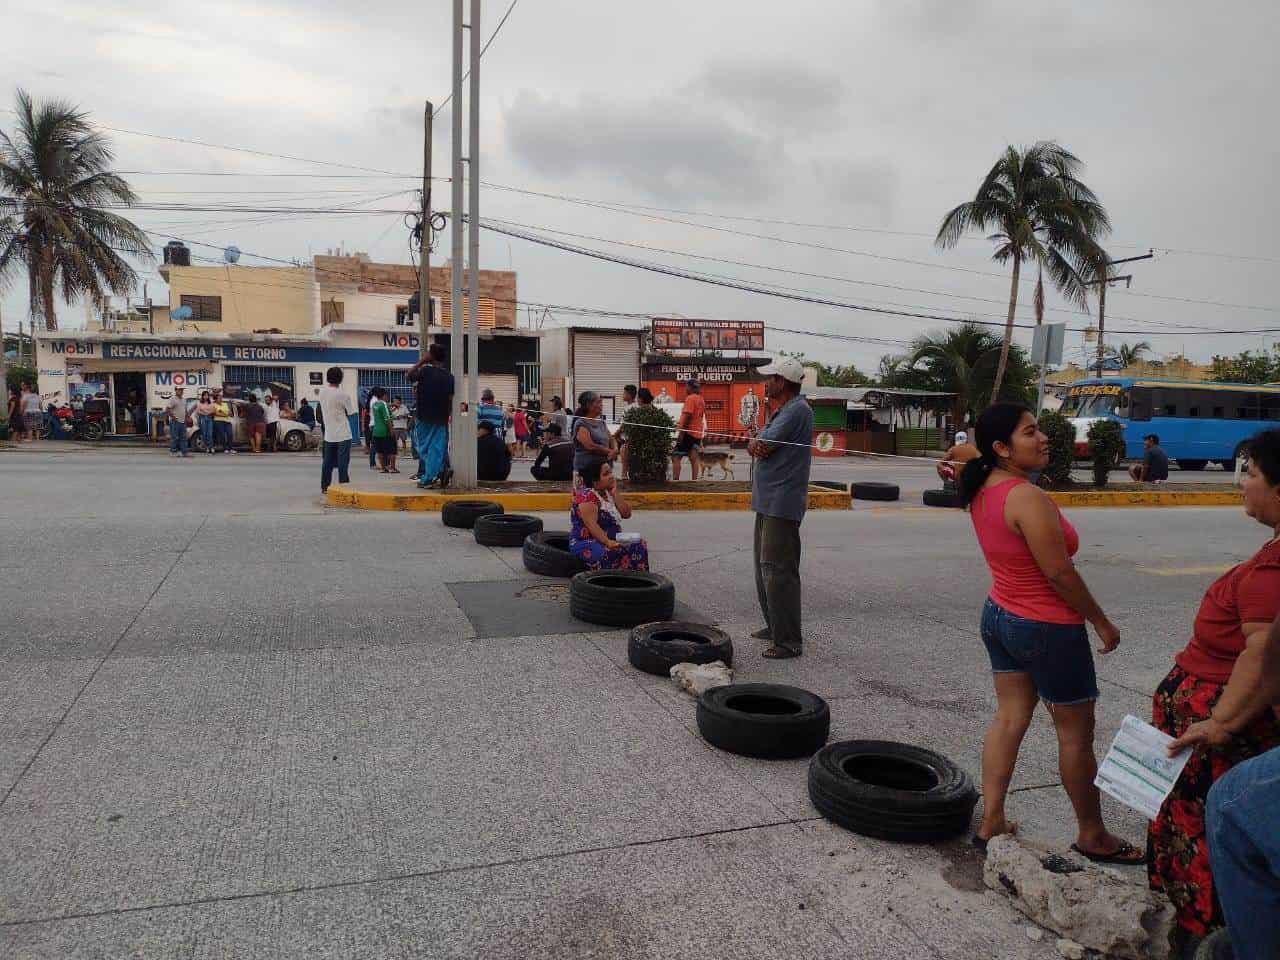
(1193, 464)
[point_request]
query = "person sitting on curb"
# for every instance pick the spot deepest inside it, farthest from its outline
(957, 455)
(1154, 467)
(557, 453)
(493, 462)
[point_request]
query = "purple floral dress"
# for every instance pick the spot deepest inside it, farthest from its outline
(626, 556)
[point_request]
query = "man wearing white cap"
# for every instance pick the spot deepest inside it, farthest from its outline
(783, 453)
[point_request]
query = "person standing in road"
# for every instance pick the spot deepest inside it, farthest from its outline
(204, 419)
(628, 403)
(335, 408)
(433, 386)
(384, 440)
(32, 415)
(490, 412)
(521, 423)
(1033, 626)
(255, 420)
(400, 424)
(693, 418)
(223, 428)
(175, 412)
(272, 410)
(782, 455)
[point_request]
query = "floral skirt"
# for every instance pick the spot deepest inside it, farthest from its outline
(1177, 847)
(626, 556)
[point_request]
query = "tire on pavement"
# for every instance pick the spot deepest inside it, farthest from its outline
(874, 490)
(621, 598)
(657, 647)
(547, 553)
(464, 513)
(942, 498)
(770, 721)
(505, 529)
(893, 791)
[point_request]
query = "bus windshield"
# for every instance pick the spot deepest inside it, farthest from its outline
(1090, 405)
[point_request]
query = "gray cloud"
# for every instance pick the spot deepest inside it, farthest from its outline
(853, 185)
(668, 149)
(773, 94)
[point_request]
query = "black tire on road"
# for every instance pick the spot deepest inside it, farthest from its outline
(942, 498)
(771, 721)
(505, 529)
(657, 647)
(875, 490)
(621, 598)
(465, 513)
(1192, 464)
(295, 441)
(893, 791)
(547, 553)
(93, 431)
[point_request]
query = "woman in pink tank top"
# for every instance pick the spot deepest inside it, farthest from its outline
(1033, 625)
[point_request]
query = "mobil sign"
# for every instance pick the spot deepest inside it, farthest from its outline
(401, 340)
(74, 348)
(182, 378)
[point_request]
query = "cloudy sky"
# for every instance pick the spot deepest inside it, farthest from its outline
(837, 135)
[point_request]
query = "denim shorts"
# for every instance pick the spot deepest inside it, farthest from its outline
(1055, 655)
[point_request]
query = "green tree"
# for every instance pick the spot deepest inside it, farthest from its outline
(833, 376)
(1247, 367)
(1040, 212)
(962, 360)
(1129, 354)
(55, 181)
(1062, 450)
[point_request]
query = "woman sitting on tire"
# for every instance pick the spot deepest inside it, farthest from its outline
(1033, 626)
(1209, 686)
(596, 521)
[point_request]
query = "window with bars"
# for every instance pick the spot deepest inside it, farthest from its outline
(203, 308)
(331, 311)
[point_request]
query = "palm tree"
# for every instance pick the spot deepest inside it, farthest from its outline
(961, 360)
(1128, 355)
(1041, 212)
(54, 183)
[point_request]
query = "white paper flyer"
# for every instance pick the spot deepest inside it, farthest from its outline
(1138, 770)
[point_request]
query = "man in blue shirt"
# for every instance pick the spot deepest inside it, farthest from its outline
(434, 399)
(782, 453)
(491, 413)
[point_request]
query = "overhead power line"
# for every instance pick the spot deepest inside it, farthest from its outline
(447, 100)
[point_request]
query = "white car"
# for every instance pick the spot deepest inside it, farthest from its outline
(290, 434)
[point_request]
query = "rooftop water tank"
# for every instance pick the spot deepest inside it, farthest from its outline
(177, 254)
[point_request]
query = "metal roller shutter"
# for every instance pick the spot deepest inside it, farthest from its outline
(505, 387)
(605, 363)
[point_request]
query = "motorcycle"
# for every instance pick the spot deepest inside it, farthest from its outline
(79, 424)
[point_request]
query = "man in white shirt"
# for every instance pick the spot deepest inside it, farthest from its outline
(175, 411)
(335, 407)
(273, 421)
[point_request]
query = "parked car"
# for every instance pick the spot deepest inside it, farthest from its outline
(292, 435)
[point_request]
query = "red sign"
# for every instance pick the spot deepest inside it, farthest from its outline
(703, 335)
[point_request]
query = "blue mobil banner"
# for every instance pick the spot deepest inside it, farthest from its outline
(393, 353)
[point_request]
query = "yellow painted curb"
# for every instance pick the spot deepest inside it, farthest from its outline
(340, 495)
(1146, 498)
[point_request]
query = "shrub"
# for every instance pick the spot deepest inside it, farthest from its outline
(1106, 445)
(649, 440)
(1062, 449)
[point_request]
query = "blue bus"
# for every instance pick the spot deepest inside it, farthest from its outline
(1198, 422)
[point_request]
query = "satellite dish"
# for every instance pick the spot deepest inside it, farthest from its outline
(231, 254)
(181, 313)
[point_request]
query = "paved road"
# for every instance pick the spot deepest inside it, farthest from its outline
(236, 723)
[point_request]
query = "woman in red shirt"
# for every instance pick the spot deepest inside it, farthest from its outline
(1033, 625)
(1214, 673)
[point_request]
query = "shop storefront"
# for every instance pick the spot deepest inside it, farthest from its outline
(137, 373)
(732, 389)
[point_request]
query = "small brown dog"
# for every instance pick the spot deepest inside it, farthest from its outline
(717, 458)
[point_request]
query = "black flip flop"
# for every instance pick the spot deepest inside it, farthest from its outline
(780, 653)
(1121, 856)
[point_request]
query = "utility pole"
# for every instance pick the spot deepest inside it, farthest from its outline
(424, 255)
(473, 236)
(1103, 282)
(462, 435)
